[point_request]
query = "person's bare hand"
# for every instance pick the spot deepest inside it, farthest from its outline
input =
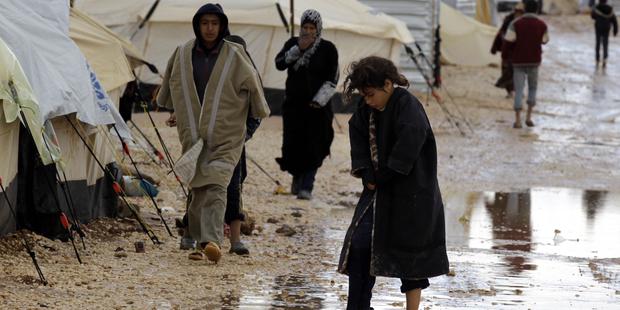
(371, 186)
(305, 41)
(172, 120)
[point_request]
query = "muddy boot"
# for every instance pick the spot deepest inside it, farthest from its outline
(604, 63)
(239, 248)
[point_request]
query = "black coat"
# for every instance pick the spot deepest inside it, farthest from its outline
(409, 229)
(604, 18)
(307, 131)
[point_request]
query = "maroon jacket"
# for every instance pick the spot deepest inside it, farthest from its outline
(528, 33)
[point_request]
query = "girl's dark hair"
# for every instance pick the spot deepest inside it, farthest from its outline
(371, 72)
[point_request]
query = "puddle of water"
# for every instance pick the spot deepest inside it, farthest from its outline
(540, 249)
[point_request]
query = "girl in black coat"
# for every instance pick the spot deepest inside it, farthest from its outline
(312, 66)
(398, 228)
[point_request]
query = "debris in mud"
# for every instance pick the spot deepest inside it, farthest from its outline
(599, 275)
(296, 214)
(451, 273)
(248, 225)
(397, 304)
(518, 292)
(28, 280)
(286, 230)
(272, 220)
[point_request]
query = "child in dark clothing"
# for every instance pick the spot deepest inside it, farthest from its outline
(604, 18)
(398, 228)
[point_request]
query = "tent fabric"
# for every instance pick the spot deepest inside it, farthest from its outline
(37, 33)
(103, 49)
(465, 41)
(355, 29)
(484, 13)
(11, 71)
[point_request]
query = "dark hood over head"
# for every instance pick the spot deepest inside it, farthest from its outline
(215, 9)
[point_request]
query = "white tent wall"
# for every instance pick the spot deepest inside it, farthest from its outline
(347, 23)
(91, 192)
(465, 41)
(422, 18)
(9, 140)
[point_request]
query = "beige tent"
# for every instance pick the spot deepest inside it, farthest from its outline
(349, 24)
(464, 40)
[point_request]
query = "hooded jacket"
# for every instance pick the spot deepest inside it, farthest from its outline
(604, 18)
(219, 116)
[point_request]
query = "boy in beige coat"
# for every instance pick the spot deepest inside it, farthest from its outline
(212, 86)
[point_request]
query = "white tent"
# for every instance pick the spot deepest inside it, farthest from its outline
(464, 40)
(13, 80)
(37, 32)
(356, 30)
(43, 38)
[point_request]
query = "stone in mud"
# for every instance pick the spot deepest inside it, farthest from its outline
(296, 214)
(120, 254)
(272, 220)
(286, 230)
(451, 273)
(248, 225)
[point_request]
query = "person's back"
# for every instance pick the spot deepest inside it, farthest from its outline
(604, 17)
(529, 32)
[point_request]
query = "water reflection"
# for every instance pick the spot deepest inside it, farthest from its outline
(592, 201)
(510, 217)
(297, 292)
(501, 246)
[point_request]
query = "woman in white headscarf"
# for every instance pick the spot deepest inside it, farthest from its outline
(312, 66)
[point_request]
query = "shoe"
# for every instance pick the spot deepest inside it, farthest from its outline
(529, 123)
(604, 63)
(239, 249)
(196, 255)
(187, 243)
(213, 252)
(517, 125)
(304, 195)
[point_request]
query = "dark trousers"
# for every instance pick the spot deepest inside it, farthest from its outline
(304, 181)
(602, 36)
(360, 280)
(234, 202)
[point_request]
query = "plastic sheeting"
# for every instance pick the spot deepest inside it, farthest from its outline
(26, 109)
(356, 29)
(464, 40)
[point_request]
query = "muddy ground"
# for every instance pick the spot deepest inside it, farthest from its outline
(548, 241)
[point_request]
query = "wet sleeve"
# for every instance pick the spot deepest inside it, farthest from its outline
(164, 97)
(360, 146)
(287, 55)
(412, 128)
(331, 75)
